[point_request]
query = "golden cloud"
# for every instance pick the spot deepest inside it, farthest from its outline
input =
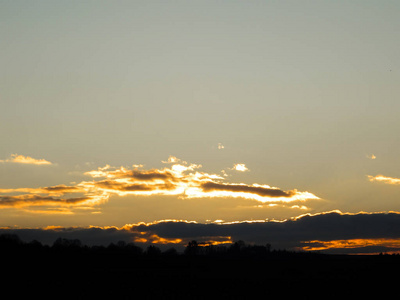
(180, 179)
(21, 159)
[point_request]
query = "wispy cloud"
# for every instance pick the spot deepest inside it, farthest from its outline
(384, 179)
(21, 159)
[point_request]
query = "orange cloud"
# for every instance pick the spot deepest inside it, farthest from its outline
(317, 245)
(21, 159)
(184, 181)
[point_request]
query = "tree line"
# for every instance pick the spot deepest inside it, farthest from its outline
(11, 243)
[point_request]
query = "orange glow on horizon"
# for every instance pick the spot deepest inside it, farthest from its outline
(317, 245)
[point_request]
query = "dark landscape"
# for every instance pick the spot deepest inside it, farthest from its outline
(238, 271)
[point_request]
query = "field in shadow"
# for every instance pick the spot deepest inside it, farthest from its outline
(68, 269)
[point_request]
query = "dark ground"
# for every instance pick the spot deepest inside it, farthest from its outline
(69, 270)
(108, 276)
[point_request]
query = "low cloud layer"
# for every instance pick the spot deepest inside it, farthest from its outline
(333, 232)
(180, 179)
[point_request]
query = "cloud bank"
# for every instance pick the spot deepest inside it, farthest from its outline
(332, 232)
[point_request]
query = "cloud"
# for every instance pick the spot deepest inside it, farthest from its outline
(51, 198)
(172, 160)
(332, 232)
(179, 179)
(240, 167)
(51, 190)
(384, 179)
(21, 159)
(186, 182)
(220, 146)
(37, 200)
(242, 188)
(372, 156)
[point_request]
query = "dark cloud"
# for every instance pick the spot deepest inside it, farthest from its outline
(367, 232)
(239, 188)
(151, 175)
(118, 186)
(62, 189)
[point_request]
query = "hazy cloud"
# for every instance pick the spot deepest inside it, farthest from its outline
(372, 156)
(21, 159)
(220, 146)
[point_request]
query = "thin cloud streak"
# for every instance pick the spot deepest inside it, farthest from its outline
(21, 159)
(384, 179)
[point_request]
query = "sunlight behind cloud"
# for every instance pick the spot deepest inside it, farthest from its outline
(240, 167)
(182, 180)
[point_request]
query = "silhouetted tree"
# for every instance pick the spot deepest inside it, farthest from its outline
(153, 250)
(192, 248)
(10, 243)
(133, 249)
(67, 244)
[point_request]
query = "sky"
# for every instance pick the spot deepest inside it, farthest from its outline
(119, 113)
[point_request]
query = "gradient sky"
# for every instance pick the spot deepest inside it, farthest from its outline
(257, 97)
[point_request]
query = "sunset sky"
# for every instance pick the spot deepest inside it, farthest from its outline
(120, 113)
